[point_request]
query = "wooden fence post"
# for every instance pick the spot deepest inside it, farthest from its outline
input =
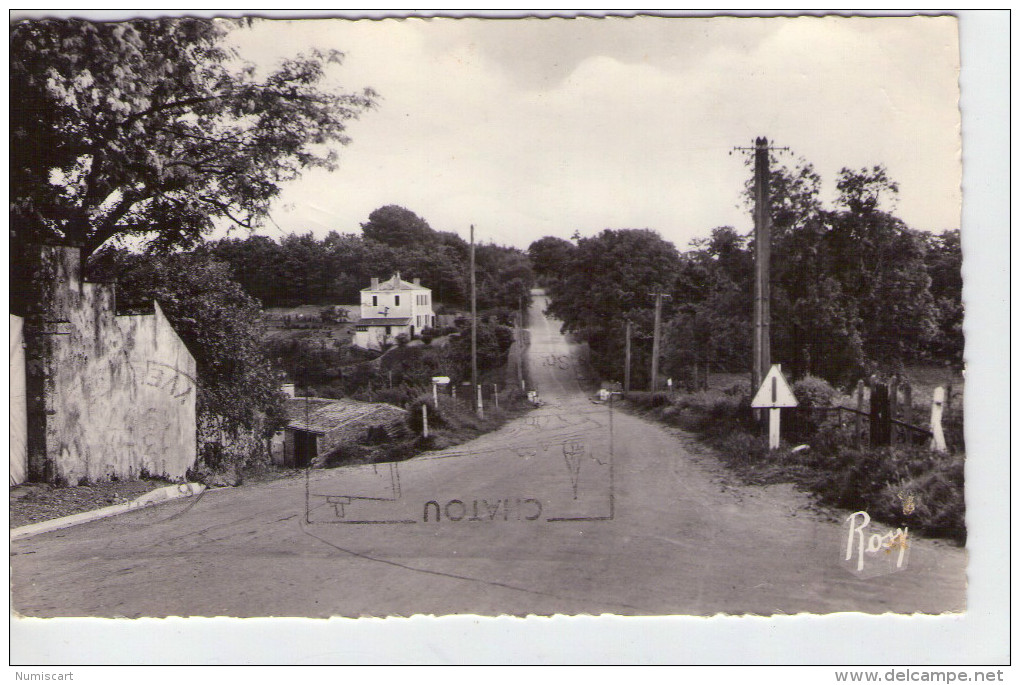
(881, 423)
(894, 397)
(908, 400)
(860, 411)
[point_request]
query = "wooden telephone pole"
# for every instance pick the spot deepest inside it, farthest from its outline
(762, 348)
(656, 336)
(474, 327)
(626, 367)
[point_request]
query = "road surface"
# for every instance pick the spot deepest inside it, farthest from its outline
(572, 509)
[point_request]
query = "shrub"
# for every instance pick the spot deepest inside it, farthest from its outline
(812, 391)
(741, 388)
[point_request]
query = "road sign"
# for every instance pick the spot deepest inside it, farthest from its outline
(441, 380)
(774, 391)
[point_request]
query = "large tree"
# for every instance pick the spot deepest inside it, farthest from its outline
(157, 129)
(610, 279)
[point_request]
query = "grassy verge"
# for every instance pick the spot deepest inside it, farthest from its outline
(900, 486)
(455, 422)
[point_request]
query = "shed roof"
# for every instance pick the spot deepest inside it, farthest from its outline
(395, 283)
(317, 415)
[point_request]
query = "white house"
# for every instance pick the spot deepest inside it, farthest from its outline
(391, 308)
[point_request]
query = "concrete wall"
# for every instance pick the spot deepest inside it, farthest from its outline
(19, 417)
(119, 390)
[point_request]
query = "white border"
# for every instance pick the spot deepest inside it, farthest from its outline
(979, 637)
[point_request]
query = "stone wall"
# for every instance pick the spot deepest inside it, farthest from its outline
(119, 391)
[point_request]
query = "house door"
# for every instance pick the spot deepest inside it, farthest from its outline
(305, 448)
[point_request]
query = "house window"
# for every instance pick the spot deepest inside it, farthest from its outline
(375, 300)
(388, 329)
(396, 300)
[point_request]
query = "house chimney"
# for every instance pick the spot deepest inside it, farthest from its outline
(417, 281)
(375, 283)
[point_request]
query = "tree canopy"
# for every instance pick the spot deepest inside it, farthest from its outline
(610, 277)
(853, 289)
(301, 269)
(157, 129)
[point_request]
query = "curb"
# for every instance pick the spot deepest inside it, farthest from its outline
(165, 494)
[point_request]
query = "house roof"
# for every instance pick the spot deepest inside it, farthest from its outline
(317, 415)
(395, 283)
(396, 321)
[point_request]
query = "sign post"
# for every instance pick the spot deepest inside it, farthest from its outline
(773, 394)
(436, 382)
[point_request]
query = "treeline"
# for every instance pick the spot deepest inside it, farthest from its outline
(301, 269)
(854, 290)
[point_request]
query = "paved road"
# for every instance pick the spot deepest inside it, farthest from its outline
(572, 509)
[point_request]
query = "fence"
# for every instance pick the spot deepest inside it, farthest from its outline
(884, 415)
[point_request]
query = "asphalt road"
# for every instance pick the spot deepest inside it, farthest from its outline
(572, 509)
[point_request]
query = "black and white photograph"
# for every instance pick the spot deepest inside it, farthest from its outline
(529, 316)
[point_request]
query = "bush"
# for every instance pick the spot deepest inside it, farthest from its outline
(812, 391)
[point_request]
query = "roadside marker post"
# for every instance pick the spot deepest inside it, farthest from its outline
(424, 420)
(436, 382)
(938, 437)
(774, 394)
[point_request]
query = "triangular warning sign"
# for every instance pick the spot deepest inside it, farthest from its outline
(774, 391)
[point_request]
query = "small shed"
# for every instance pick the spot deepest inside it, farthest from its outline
(318, 426)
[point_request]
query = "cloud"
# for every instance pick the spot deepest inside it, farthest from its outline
(542, 127)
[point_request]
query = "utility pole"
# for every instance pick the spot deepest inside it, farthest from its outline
(656, 334)
(626, 367)
(520, 340)
(474, 323)
(762, 348)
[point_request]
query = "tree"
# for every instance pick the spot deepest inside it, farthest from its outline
(549, 256)
(397, 227)
(944, 261)
(611, 277)
(862, 191)
(156, 129)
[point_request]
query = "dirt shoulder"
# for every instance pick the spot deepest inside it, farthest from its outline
(35, 502)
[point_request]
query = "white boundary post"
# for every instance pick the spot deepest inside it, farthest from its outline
(938, 438)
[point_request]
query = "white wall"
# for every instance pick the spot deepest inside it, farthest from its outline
(19, 415)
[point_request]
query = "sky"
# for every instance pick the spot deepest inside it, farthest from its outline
(534, 127)
(531, 127)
